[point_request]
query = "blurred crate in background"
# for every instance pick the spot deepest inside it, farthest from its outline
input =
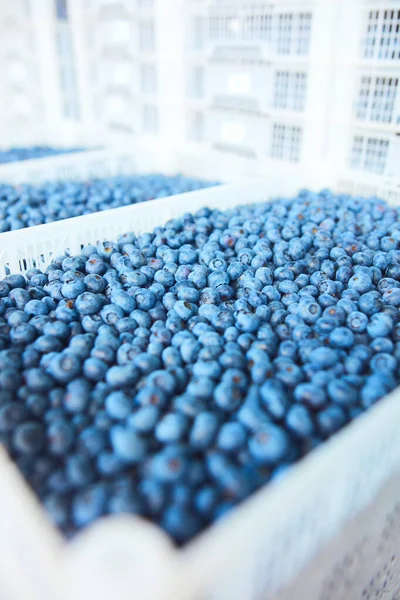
(315, 83)
(276, 84)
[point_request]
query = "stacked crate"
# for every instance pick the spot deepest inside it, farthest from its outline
(253, 86)
(248, 68)
(370, 101)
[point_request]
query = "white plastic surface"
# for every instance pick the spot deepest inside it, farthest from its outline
(262, 81)
(261, 545)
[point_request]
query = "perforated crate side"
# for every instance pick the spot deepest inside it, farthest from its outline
(242, 29)
(381, 38)
(77, 165)
(377, 98)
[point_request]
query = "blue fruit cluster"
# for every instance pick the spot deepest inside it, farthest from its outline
(27, 205)
(173, 373)
(20, 153)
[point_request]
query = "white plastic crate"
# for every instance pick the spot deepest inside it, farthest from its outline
(264, 81)
(329, 530)
(280, 61)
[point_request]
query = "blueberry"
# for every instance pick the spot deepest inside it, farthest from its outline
(357, 321)
(231, 437)
(10, 415)
(203, 430)
(383, 363)
(227, 396)
(309, 394)
(341, 337)
(88, 303)
(299, 421)
(108, 464)
(28, 438)
(23, 334)
(88, 504)
(370, 303)
(382, 344)
(127, 444)
(95, 369)
(118, 405)
(121, 376)
(330, 420)
(57, 508)
(274, 399)
(309, 310)
(144, 419)
(169, 465)
(94, 283)
(37, 380)
(171, 428)
(287, 372)
(91, 441)
(392, 297)
(77, 396)
(180, 523)
(37, 404)
(360, 282)
(246, 321)
(342, 393)
(205, 500)
(58, 329)
(269, 444)
(201, 387)
(380, 325)
(323, 358)
(376, 386)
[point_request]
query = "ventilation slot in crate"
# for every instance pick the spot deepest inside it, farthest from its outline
(382, 39)
(377, 99)
(284, 33)
(290, 90)
(286, 142)
(146, 36)
(294, 32)
(148, 75)
(369, 154)
(67, 72)
(195, 82)
(196, 127)
(61, 10)
(150, 119)
(196, 36)
(254, 27)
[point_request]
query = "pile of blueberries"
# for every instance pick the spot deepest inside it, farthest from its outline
(21, 153)
(26, 205)
(173, 373)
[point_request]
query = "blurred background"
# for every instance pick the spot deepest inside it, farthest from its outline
(252, 87)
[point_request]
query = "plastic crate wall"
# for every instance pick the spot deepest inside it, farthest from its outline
(366, 103)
